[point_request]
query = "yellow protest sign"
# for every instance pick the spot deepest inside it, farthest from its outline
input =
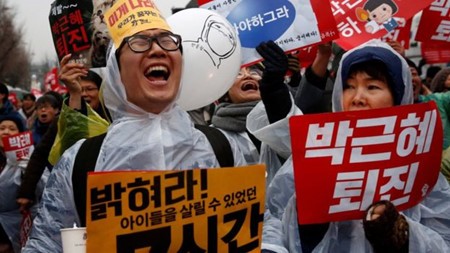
(127, 17)
(200, 210)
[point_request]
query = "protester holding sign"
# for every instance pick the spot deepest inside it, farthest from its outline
(265, 81)
(13, 163)
(148, 131)
(383, 88)
(44, 156)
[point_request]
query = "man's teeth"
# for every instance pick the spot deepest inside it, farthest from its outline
(156, 68)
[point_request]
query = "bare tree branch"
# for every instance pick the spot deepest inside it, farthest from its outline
(14, 57)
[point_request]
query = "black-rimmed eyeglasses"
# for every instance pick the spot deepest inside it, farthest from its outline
(140, 43)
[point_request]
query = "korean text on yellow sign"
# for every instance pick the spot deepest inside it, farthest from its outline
(210, 210)
(128, 17)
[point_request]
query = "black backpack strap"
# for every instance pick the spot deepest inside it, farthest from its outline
(85, 161)
(254, 140)
(87, 155)
(220, 145)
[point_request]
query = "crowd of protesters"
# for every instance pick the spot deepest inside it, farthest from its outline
(138, 89)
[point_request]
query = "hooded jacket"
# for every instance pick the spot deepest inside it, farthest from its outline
(135, 140)
(426, 233)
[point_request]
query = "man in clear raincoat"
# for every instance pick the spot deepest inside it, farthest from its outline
(148, 131)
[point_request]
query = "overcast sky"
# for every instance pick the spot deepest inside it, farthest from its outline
(32, 15)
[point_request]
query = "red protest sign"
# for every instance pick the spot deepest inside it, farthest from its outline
(435, 52)
(306, 56)
(51, 81)
(18, 146)
(359, 21)
(434, 23)
(345, 161)
(291, 24)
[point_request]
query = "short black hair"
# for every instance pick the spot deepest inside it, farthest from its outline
(47, 99)
(411, 64)
(371, 5)
(59, 98)
(29, 96)
(94, 77)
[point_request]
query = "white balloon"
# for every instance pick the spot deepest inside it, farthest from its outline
(211, 56)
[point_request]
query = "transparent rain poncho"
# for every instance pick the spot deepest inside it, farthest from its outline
(10, 216)
(429, 222)
(135, 140)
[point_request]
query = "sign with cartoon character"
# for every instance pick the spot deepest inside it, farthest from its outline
(292, 24)
(400, 34)
(359, 21)
(79, 28)
(379, 14)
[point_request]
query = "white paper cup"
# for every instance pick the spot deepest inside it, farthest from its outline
(74, 240)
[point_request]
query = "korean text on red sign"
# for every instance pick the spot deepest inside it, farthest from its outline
(434, 23)
(350, 160)
(18, 146)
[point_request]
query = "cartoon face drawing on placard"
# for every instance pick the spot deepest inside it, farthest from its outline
(379, 14)
(217, 40)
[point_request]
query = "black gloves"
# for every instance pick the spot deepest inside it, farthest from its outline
(389, 232)
(275, 61)
(274, 93)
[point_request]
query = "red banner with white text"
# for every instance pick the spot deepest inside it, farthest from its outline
(434, 23)
(19, 146)
(344, 162)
